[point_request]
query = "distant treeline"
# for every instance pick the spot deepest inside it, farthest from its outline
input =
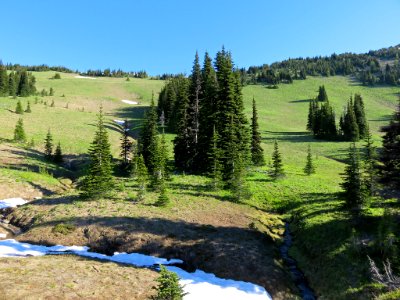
(115, 73)
(38, 68)
(375, 67)
(16, 83)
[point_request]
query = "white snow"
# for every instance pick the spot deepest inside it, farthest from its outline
(130, 102)
(84, 77)
(199, 285)
(3, 235)
(11, 202)
(120, 122)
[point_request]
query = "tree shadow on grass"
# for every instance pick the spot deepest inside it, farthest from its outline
(289, 136)
(300, 101)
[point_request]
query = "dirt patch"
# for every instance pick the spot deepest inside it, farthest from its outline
(72, 277)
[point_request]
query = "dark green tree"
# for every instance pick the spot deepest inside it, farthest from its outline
(360, 116)
(354, 190)
(370, 160)
(322, 95)
(309, 168)
(18, 109)
(19, 132)
(24, 88)
(349, 124)
(12, 85)
(257, 152)
(57, 76)
(98, 179)
(48, 146)
(277, 165)
(390, 155)
(51, 93)
(58, 156)
(168, 286)
(214, 161)
(4, 91)
(142, 176)
(126, 146)
(163, 199)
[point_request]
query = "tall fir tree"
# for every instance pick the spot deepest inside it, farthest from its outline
(12, 85)
(126, 146)
(277, 165)
(28, 108)
(24, 88)
(19, 132)
(353, 185)
(390, 155)
(48, 146)
(148, 142)
(214, 161)
(168, 287)
(322, 95)
(360, 116)
(309, 168)
(370, 163)
(142, 177)
(98, 180)
(257, 152)
(4, 91)
(349, 124)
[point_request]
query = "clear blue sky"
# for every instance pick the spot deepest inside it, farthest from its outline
(162, 36)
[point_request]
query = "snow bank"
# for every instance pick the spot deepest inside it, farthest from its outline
(199, 285)
(130, 102)
(84, 77)
(3, 235)
(120, 122)
(12, 202)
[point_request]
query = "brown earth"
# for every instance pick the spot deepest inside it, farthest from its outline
(72, 277)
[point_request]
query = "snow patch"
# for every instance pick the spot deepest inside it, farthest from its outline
(84, 77)
(199, 285)
(119, 122)
(11, 202)
(3, 235)
(130, 102)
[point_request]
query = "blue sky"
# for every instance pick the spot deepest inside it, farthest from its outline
(162, 36)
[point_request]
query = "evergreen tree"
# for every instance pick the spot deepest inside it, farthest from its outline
(19, 132)
(360, 116)
(214, 161)
(163, 199)
(322, 95)
(98, 179)
(207, 116)
(12, 85)
(354, 189)
(4, 91)
(238, 184)
(126, 146)
(142, 177)
(168, 286)
(370, 163)
(390, 155)
(349, 123)
(257, 152)
(23, 89)
(148, 142)
(28, 108)
(48, 146)
(311, 116)
(58, 156)
(277, 166)
(51, 93)
(309, 168)
(18, 109)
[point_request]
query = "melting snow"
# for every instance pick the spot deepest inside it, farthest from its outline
(130, 102)
(3, 235)
(199, 285)
(120, 122)
(12, 202)
(84, 77)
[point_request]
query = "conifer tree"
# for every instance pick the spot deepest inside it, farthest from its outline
(28, 108)
(257, 152)
(277, 166)
(163, 199)
(4, 91)
(349, 124)
(58, 156)
(354, 189)
(168, 286)
(19, 132)
(51, 93)
(23, 89)
(322, 95)
(309, 168)
(370, 163)
(12, 86)
(360, 116)
(18, 109)
(390, 155)
(142, 176)
(48, 146)
(126, 146)
(238, 184)
(148, 142)
(214, 161)
(311, 116)
(98, 179)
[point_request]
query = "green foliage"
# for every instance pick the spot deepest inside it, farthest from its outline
(168, 286)
(98, 180)
(18, 109)
(48, 146)
(353, 185)
(360, 116)
(277, 165)
(57, 76)
(28, 108)
(348, 123)
(163, 199)
(64, 228)
(370, 160)
(58, 156)
(52, 103)
(214, 161)
(19, 132)
(322, 95)
(309, 168)
(321, 120)
(126, 147)
(141, 175)
(257, 152)
(51, 92)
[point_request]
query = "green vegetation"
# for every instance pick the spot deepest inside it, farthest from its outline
(168, 286)
(19, 132)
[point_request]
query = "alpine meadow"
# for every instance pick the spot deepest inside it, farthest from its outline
(224, 180)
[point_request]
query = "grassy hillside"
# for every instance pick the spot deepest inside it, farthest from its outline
(201, 221)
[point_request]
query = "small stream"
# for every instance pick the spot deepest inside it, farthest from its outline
(297, 275)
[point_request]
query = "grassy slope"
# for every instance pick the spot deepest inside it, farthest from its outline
(322, 245)
(282, 116)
